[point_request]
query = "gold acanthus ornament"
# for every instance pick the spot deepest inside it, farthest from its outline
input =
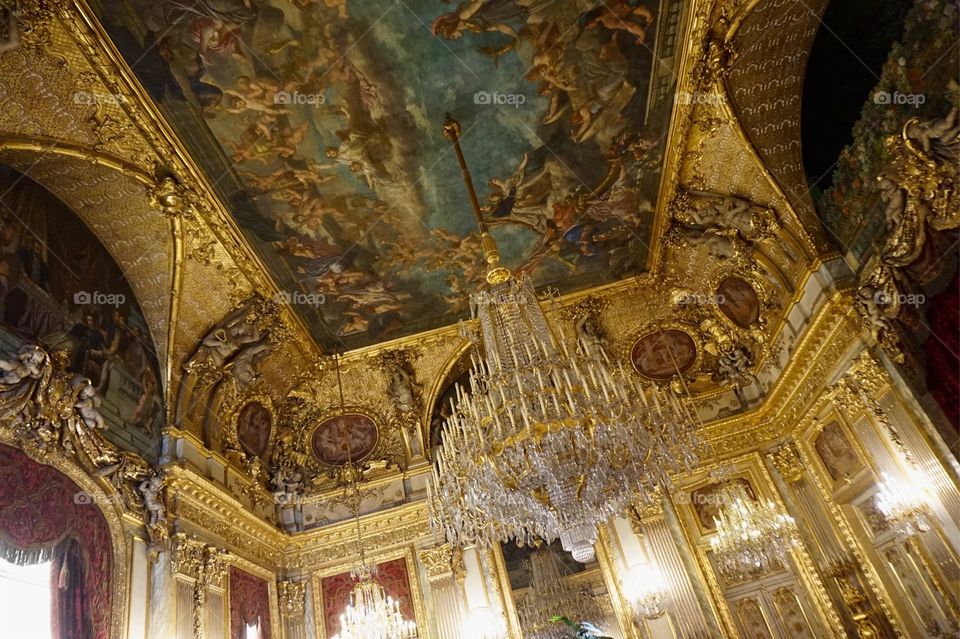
(292, 596)
(49, 409)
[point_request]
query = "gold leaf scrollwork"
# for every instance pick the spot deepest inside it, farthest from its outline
(47, 408)
(292, 596)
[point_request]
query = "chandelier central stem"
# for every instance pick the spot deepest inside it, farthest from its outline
(495, 272)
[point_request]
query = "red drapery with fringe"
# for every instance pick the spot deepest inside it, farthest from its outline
(45, 516)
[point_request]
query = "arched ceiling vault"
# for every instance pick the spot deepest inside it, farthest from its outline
(125, 172)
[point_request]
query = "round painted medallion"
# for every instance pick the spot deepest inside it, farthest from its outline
(254, 424)
(738, 301)
(343, 438)
(662, 354)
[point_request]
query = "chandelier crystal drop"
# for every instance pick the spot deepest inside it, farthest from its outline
(547, 441)
(551, 594)
(752, 539)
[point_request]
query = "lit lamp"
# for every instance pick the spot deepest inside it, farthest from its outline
(904, 504)
(484, 623)
(646, 590)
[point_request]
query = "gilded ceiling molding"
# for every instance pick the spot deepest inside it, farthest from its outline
(681, 120)
(322, 548)
(116, 125)
(772, 40)
(834, 330)
(202, 508)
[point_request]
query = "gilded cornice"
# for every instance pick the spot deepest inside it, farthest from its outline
(323, 547)
(834, 331)
(200, 505)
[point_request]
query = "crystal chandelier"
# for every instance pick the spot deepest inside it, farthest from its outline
(751, 538)
(549, 595)
(903, 504)
(548, 441)
(371, 613)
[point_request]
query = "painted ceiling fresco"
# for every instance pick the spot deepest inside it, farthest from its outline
(319, 123)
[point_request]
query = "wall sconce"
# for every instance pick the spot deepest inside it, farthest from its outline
(484, 623)
(646, 590)
(904, 502)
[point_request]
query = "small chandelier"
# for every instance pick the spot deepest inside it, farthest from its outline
(752, 538)
(550, 595)
(371, 613)
(548, 442)
(903, 504)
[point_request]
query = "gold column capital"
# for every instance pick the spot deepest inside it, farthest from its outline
(292, 596)
(786, 460)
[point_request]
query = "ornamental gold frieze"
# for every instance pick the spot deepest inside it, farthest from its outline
(205, 509)
(443, 561)
(325, 547)
(786, 460)
(786, 406)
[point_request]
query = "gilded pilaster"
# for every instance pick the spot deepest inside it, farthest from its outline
(445, 573)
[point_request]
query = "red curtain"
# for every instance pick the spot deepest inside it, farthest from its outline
(44, 515)
(943, 365)
(249, 603)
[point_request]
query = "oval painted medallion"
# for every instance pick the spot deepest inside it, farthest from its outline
(343, 438)
(738, 301)
(662, 354)
(254, 424)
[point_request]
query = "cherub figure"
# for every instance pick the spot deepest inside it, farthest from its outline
(622, 15)
(87, 404)
(401, 390)
(939, 139)
(28, 364)
(151, 490)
